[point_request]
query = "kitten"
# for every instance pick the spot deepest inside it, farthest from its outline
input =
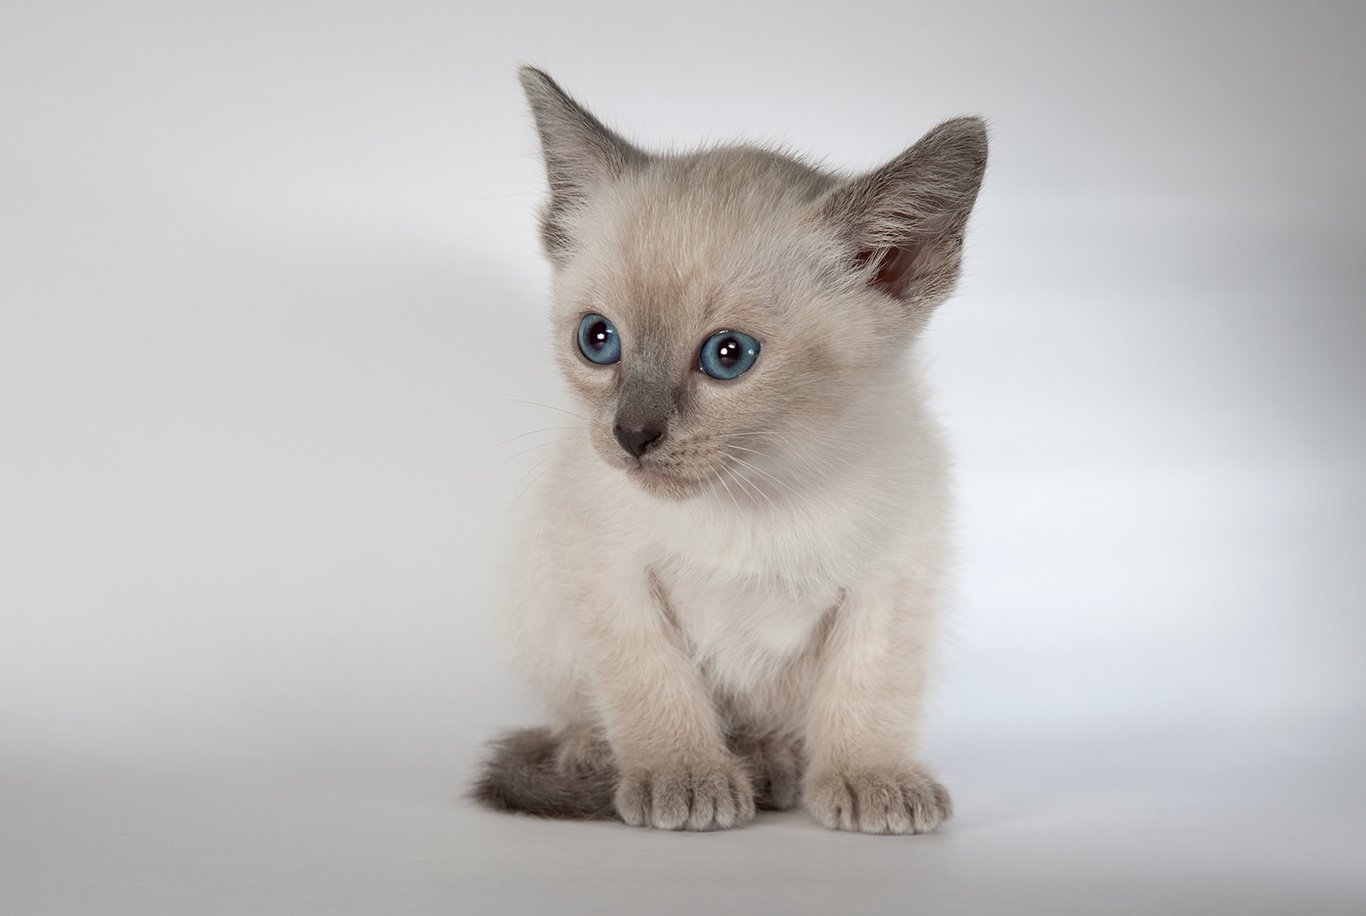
(731, 592)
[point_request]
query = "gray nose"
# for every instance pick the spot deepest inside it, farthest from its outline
(637, 441)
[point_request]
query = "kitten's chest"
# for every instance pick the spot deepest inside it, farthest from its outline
(749, 594)
(745, 631)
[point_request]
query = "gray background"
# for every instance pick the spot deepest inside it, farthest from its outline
(271, 303)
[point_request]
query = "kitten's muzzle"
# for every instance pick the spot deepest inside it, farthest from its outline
(637, 440)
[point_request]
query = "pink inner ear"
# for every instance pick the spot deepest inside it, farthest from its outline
(895, 268)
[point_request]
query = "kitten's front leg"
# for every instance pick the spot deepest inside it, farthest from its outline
(676, 771)
(865, 711)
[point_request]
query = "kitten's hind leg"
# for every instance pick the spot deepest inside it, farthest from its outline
(775, 768)
(585, 753)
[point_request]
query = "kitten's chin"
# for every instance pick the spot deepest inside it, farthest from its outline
(665, 486)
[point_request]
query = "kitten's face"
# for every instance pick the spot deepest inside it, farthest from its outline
(683, 272)
(720, 314)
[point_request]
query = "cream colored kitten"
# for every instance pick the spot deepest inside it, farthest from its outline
(733, 584)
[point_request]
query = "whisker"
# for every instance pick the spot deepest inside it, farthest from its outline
(484, 476)
(782, 483)
(722, 478)
(748, 487)
(531, 401)
(767, 498)
(530, 483)
(545, 429)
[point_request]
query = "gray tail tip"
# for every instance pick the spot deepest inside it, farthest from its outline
(521, 776)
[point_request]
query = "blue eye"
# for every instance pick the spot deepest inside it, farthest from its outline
(599, 341)
(728, 354)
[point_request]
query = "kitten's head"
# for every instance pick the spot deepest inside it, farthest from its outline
(718, 312)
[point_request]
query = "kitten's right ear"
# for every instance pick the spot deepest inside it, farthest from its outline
(580, 153)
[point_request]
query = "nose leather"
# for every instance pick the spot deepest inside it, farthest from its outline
(637, 440)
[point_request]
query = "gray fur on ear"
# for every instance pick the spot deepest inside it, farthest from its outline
(904, 221)
(580, 153)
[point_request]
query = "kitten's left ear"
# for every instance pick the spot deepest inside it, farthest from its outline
(581, 153)
(904, 222)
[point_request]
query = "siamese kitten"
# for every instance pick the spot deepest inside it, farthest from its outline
(731, 589)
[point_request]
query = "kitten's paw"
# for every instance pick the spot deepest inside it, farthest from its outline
(583, 753)
(711, 796)
(905, 800)
(775, 768)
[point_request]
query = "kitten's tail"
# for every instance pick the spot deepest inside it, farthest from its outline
(522, 776)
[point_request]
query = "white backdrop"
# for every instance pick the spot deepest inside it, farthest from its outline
(270, 310)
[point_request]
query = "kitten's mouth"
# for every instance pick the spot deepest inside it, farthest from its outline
(660, 483)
